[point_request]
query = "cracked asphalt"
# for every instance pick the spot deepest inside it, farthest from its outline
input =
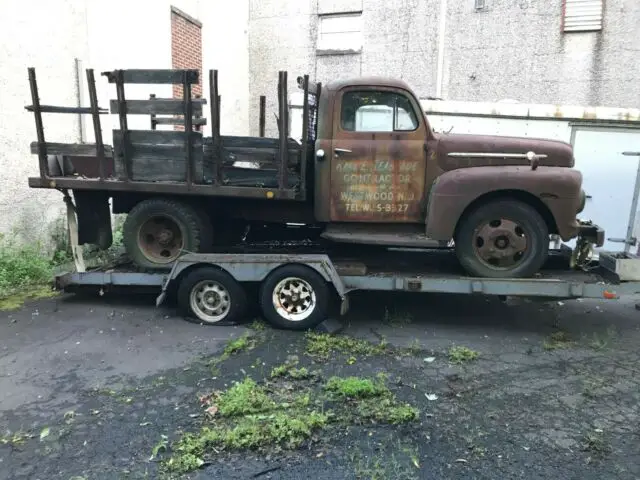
(89, 385)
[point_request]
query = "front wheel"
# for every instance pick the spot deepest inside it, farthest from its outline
(503, 238)
(294, 297)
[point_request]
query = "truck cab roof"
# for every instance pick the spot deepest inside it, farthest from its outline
(367, 82)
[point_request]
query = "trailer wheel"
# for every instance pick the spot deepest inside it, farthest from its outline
(156, 232)
(294, 297)
(504, 238)
(211, 296)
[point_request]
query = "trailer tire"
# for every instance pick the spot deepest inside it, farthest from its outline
(503, 238)
(210, 296)
(294, 297)
(180, 229)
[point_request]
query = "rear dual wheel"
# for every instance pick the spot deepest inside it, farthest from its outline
(157, 231)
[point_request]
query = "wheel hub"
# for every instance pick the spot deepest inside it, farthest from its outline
(210, 301)
(500, 243)
(294, 299)
(160, 239)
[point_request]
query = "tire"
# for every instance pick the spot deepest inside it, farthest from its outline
(227, 303)
(157, 231)
(206, 230)
(488, 244)
(301, 277)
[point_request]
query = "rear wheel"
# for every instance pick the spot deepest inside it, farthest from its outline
(211, 296)
(157, 231)
(503, 238)
(294, 297)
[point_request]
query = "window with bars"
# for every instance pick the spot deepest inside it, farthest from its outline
(582, 15)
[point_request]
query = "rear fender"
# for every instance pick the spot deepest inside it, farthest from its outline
(453, 192)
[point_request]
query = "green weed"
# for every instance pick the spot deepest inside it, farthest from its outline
(322, 345)
(460, 355)
(557, 340)
(15, 439)
(244, 398)
(355, 387)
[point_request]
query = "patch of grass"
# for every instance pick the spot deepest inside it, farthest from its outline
(22, 267)
(557, 340)
(258, 325)
(415, 348)
(289, 370)
(15, 439)
(604, 340)
(369, 400)
(385, 409)
(460, 355)
(235, 346)
(240, 344)
(322, 345)
(595, 442)
(17, 299)
(396, 318)
(592, 387)
(400, 464)
(253, 416)
(355, 387)
(244, 398)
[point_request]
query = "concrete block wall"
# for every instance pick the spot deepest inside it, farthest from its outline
(511, 50)
(515, 49)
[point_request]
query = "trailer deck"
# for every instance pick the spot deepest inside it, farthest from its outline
(435, 272)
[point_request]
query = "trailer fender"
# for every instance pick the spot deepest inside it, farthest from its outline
(254, 268)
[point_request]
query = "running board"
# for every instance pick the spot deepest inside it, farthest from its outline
(387, 237)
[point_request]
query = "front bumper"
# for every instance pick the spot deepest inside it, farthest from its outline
(593, 233)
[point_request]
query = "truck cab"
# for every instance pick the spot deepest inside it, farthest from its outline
(383, 176)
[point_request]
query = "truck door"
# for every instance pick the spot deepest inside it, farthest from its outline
(378, 158)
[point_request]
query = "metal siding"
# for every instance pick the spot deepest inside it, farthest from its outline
(582, 15)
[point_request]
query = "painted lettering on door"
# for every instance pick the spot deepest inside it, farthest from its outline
(370, 189)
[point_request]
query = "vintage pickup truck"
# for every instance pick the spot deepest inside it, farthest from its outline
(368, 170)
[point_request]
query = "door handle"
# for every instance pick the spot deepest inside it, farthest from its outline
(341, 150)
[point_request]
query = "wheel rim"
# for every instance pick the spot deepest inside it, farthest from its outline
(160, 239)
(500, 243)
(210, 301)
(294, 299)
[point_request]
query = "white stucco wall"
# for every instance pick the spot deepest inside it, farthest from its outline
(29, 37)
(104, 35)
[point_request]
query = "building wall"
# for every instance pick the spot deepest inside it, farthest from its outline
(515, 49)
(511, 49)
(103, 35)
(186, 48)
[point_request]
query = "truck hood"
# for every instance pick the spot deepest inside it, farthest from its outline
(461, 151)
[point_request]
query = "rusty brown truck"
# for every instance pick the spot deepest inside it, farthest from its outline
(368, 170)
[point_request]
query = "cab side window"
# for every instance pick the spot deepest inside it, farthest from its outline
(370, 111)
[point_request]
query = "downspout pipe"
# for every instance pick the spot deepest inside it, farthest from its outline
(441, 44)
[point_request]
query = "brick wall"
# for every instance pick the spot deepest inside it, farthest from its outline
(186, 47)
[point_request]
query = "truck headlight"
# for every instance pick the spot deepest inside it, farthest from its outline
(583, 201)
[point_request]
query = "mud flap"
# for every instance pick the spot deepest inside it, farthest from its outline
(72, 223)
(94, 218)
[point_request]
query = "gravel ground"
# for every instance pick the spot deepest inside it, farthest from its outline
(89, 386)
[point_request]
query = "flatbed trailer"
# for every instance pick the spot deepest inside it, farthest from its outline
(296, 289)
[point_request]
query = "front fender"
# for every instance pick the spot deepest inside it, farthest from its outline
(558, 188)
